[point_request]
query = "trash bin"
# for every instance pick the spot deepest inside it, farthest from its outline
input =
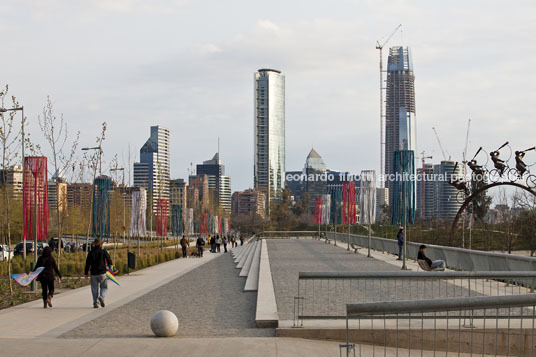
(131, 260)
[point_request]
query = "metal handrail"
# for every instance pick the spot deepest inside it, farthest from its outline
(259, 235)
(421, 275)
(446, 248)
(435, 305)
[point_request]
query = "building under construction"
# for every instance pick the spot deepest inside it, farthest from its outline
(399, 109)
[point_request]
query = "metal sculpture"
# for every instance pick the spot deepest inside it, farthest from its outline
(404, 189)
(336, 206)
(326, 208)
(138, 213)
(203, 224)
(35, 198)
(176, 220)
(318, 211)
(367, 197)
(161, 217)
(348, 203)
(501, 174)
(100, 223)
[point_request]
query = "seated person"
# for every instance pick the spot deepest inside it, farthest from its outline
(498, 163)
(432, 263)
(520, 165)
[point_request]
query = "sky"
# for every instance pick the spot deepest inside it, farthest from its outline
(189, 66)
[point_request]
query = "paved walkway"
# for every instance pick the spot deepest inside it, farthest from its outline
(328, 297)
(74, 307)
(208, 301)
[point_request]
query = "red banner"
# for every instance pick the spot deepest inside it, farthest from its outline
(348, 203)
(318, 210)
(203, 226)
(161, 217)
(35, 198)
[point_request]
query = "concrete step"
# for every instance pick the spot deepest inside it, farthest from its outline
(249, 259)
(266, 314)
(252, 282)
(238, 251)
(243, 257)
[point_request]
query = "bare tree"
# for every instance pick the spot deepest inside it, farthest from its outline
(9, 140)
(95, 163)
(55, 131)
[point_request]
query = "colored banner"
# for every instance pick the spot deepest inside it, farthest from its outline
(35, 198)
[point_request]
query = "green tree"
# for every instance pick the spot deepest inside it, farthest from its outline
(281, 216)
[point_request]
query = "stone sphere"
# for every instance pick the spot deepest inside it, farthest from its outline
(164, 323)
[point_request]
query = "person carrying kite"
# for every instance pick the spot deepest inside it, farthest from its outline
(98, 262)
(46, 277)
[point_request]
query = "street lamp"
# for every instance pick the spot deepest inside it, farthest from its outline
(5, 110)
(99, 148)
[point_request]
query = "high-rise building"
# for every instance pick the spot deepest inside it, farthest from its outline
(224, 193)
(57, 194)
(315, 184)
(14, 180)
(269, 167)
(399, 109)
(217, 181)
(445, 195)
(79, 194)
(199, 194)
(382, 201)
(178, 192)
(247, 203)
(152, 172)
(425, 192)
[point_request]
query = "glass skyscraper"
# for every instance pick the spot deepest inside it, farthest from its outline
(269, 167)
(152, 172)
(399, 109)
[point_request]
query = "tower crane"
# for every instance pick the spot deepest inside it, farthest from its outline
(379, 46)
(440, 146)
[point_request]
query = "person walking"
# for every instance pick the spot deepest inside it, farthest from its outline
(212, 244)
(46, 278)
(400, 238)
(218, 244)
(241, 239)
(224, 241)
(184, 245)
(233, 241)
(199, 244)
(96, 262)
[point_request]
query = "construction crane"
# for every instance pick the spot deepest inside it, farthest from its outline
(423, 183)
(440, 146)
(379, 46)
(466, 142)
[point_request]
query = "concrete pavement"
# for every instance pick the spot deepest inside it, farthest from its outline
(74, 307)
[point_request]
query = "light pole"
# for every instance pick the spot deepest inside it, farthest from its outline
(99, 148)
(5, 110)
(124, 203)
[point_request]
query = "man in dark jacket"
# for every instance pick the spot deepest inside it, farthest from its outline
(199, 244)
(400, 239)
(96, 262)
(184, 245)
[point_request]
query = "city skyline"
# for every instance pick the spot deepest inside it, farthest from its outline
(327, 55)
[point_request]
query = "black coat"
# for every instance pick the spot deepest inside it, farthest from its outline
(96, 261)
(50, 267)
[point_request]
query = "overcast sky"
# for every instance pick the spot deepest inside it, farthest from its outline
(189, 65)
